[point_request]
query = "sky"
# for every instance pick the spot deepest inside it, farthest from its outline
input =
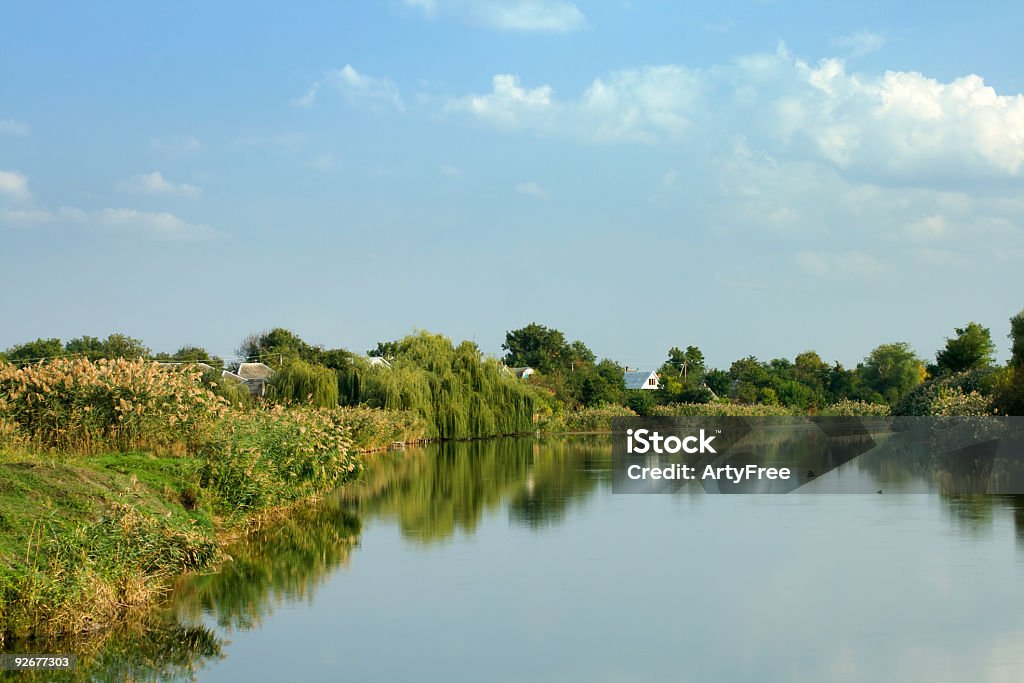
(752, 178)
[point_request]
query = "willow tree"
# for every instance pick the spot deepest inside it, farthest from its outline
(458, 391)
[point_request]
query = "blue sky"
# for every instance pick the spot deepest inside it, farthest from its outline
(754, 178)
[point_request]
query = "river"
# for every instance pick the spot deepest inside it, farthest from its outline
(512, 560)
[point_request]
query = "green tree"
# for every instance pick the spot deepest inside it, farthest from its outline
(192, 354)
(276, 348)
(683, 377)
(891, 370)
(971, 348)
(116, 345)
(538, 347)
(386, 350)
(1017, 338)
(33, 351)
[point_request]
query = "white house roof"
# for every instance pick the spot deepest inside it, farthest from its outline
(377, 360)
(638, 379)
(255, 371)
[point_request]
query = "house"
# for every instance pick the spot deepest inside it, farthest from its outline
(638, 379)
(377, 361)
(255, 376)
(522, 373)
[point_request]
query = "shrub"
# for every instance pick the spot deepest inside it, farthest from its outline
(955, 401)
(593, 419)
(271, 456)
(919, 401)
(848, 408)
(721, 409)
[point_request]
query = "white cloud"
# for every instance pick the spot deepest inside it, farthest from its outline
(860, 43)
(532, 189)
(631, 105)
(157, 225)
(160, 226)
(555, 16)
(307, 100)
(180, 146)
(355, 87)
(155, 184)
(14, 185)
(12, 127)
(901, 127)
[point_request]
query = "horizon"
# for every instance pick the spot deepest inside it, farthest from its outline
(749, 178)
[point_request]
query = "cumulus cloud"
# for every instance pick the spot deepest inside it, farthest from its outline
(14, 185)
(899, 125)
(631, 105)
(357, 89)
(12, 127)
(556, 16)
(155, 184)
(532, 189)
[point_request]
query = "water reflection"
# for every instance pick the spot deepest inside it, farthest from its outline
(284, 562)
(432, 495)
(156, 647)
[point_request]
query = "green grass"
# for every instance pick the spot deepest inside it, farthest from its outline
(84, 540)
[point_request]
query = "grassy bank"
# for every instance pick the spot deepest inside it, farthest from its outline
(117, 476)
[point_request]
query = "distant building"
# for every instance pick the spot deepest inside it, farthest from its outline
(638, 379)
(377, 361)
(255, 376)
(522, 373)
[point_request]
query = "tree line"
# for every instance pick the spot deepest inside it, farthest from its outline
(463, 392)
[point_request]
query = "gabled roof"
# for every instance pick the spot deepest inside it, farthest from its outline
(377, 360)
(255, 371)
(638, 379)
(522, 372)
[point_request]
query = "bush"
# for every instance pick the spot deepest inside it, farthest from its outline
(920, 400)
(273, 456)
(955, 401)
(848, 408)
(721, 409)
(595, 419)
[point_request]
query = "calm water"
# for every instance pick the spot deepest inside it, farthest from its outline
(511, 560)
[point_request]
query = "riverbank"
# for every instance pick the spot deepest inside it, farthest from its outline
(117, 476)
(87, 542)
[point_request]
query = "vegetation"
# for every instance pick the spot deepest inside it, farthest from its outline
(459, 393)
(87, 533)
(117, 473)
